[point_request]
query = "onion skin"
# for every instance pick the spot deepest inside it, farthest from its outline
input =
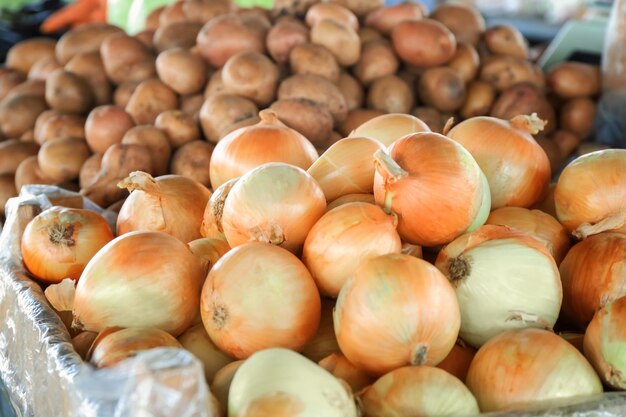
(220, 385)
(324, 343)
(383, 314)
(211, 226)
(604, 343)
(208, 251)
(458, 361)
(283, 308)
(59, 242)
(418, 391)
(130, 263)
(341, 368)
(423, 43)
(523, 367)
(197, 341)
(389, 127)
(593, 275)
(590, 196)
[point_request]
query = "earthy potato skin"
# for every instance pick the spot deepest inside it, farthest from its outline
(574, 79)
(525, 98)
(443, 88)
(150, 98)
(86, 38)
(68, 93)
(311, 120)
(424, 43)
(192, 160)
(19, 114)
(182, 71)
(23, 55)
(13, 152)
(222, 113)
(126, 59)
(317, 89)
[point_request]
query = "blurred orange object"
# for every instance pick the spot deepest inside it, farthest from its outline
(77, 13)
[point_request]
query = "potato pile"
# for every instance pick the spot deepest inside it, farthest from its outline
(85, 111)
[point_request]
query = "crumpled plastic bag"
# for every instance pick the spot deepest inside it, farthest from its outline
(610, 123)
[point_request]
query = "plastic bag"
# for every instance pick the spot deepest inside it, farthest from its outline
(610, 123)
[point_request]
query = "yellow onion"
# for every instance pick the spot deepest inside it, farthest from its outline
(196, 340)
(59, 242)
(324, 342)
(593, 274)
(605, 341)
(434, 186)
(389, 127)
(346, 167)
(527, 366)
(222, 380)
(208, 252)
(418, 391)
(259, 296)
(172, 204)
(275, 203)
(139, 279)
(546, 203)
(458, 360)
(249, 147)
(341, 368)
(396, 310)
(279, 382)
(574, 339)
(517, 168)
(504, 279)
(412, 250)
(126, 343)
(211, 226)
(590, 196)
(345, 237)
(537, 224)
(351, 198)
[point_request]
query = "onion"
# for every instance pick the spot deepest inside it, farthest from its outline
(385, 19)
(527, 366)
(480, 97)
(253, 75)
(458, 361)
(604, 343)
(282, 307)
(351, 198)
(341, 40)
(280, 382)
(275, 203)
(442, 88)
(423, 43)
(517, 169)
(59, 242)
(155, 278)
(171, 204)
(333, 11)
(537, 224)
(463, 20)
(546, 204)
(211, 226)
(222, 114)
(106, 126)
(283, 37)
(418, 391)
(592, 276)
(324, 342)
(341, 368)
(346, 167)
(192, 161)
(574, 339)
(407, 180)
(197, 341)
(345, 237)
(578, 115)
(208, 251)
(389, 127)
(391, 95)
(590, 196)
(126, 343)
(222, 380)
(385, 314)
(492, 270)
(249, 147)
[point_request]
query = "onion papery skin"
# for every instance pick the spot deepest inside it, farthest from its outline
(222, 380)
(211, 226)
(279, 383)
(208, 252)
(429, 164)
(249, 147)
(526, 366)
(396, 310)
(517, 168)
(171, 204)
(605, 343)
(346, 167)
(593, 274)
(196, 340)
(259, 296)
(345, 237)
(59, 242)
(504, 279)
(458, 361)
(418, 391)
(387, 128)
(351, 198)
(324, 343)
(275, 203)
(537, 224)
(590, 195)
(126, 343)
(341, 368)
(139, 279)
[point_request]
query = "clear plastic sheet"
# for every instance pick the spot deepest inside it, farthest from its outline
(43, 374)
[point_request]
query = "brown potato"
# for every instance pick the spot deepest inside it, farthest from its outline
(172, 13)
(181, 70)
(341, 40)
(60, 126)
(310, 58)
(377, 60)
(202, 11)
(291, 8)
(525, 98)
(192, 161)
(124, 92)
(28, 88)
(68, 92)
(19, 114)
(7, 191)
(23, 55)
(146, 37)
(361, 7)
(155, 141)
(191, 104)
(283, 37)
(89, 170)
(317, 89)
(86, 38)
(106, 126)
(252, 75)
(480, 98)
(574, 79)
(8, 81)
(442, 88)
(552, 150)
(222, 113)
(42, 69)
(356, 118)
(28, 136)
(179, 127)
(465, 61)
(41, 120)
(13, 152)
(567, 142)
(352, 91)
(215, 85)
(152, 21)
(386, 18)
(391, 95)
(89, 65)
(28, 172)
(332, 11)
(176, 35)
(464, 21)
(126, 59)
(62, 159)
(435, 119)
(506, 40)
(367, 34)
(313, 121)
(578, 115)
(506, 71)
(423, 43)
(150, 98)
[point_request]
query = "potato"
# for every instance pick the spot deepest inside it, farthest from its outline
(60, 126)
(506, 40)
(331, 11)
(19, 114)
(202, 11)
(152, 21)
(155, 141)
(124, 92)
(176, 35)
(179, 127)
(307, 117)
(41, 120)
(68, 92)
(172, 13)
(28, 88)
(89, 170)
(28, 136)
(525, 98)
(352, 91)
(13, 152)
(28, 172)
(385, 19)
(464, 21)
(341, 40)
(574, 79)
(317, 89)
(423, 43)
(360, 7)
(192, 161)
(391, 95)
(367, 34)
(465, 61)
(126, 59)
(8, 81)
(377, 60)
(89, 65)
(62, 159)
(191, 105)
(42, 69)
(442, 88)
(182, 71)
(23, 55)
(252, 75)
(578, 115)
(506, 71)
(106, 126)
(215, 85)
(480, 98)
(435, 119)
(146, 37)
(309, 58)
(356, 118)
(86, 38)
(283, 37)
(7, 191)
(222, 113)
(291, 7)
(150, 99)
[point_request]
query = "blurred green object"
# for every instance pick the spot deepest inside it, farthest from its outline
(265, 4)
(14, 4)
